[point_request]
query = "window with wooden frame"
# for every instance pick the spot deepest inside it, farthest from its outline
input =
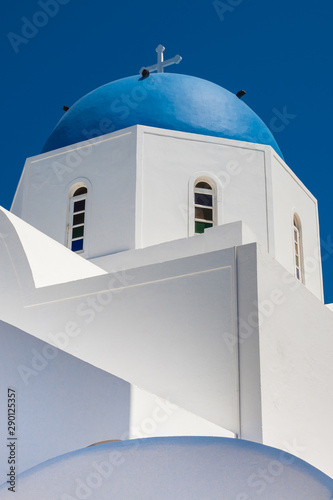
(298, 248)
(204, 206)
(77, 216)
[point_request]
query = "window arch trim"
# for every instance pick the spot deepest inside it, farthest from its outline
(215, 184)
(204, 206)
(298, 248)
(78, 199)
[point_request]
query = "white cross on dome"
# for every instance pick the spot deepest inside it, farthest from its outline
(161, 64)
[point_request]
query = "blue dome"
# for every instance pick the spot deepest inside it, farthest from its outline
(164, 100)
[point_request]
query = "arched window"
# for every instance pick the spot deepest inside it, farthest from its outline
(77, 215)
(298, 248)
(204, 206)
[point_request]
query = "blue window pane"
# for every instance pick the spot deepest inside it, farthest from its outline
(203, 199)
(79, 205)
(77, 245)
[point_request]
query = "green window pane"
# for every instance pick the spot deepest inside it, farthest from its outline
(297, 261)
(77, 231)
(201, 226)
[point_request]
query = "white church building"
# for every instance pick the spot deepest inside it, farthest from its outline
(161, 294)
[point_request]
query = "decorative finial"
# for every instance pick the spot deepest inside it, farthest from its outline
(161, 64)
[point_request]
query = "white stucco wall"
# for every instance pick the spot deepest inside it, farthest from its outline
(140, 325)
(296, 372)
(50, 262)
(186, 330)
(290, 196)
(213, 239)
(171, 161)
(148, 174)
(152, 416)
(248, 344)
(140, 193)
(62, 403)
(107, 166)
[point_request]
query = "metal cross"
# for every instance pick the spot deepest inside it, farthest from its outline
(161, 64)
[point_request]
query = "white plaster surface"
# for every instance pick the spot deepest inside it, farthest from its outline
(213, 239)
(248, 344)
(152, 416)
(62, 403)
(50, 262)
(108, 170)
(168, 347)
(291, 196)
(166, 209)
(140, 186)
(214, 324)
(181, 352)
(296, 371)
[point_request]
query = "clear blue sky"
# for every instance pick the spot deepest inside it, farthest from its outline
(280, 52)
